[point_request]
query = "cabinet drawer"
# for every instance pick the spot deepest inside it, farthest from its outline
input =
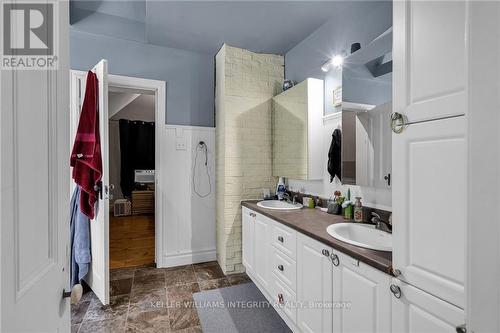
(285, 268)
(285, 239)
(284, 298)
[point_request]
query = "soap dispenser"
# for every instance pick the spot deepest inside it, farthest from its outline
(280, 188)
(358, 210)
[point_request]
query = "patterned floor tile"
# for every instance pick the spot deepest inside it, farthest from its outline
(180, 275)
(208, 272)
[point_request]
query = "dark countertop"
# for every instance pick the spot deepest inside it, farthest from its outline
(313, 223)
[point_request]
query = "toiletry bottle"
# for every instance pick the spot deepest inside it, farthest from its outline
(348, 210)
(358, 210)
(280, 188)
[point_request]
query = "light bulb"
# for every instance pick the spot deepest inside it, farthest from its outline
(337, 61)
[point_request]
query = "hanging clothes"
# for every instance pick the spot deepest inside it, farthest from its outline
(80, 240)
(334, 155)
(86, 155)
(137, 151)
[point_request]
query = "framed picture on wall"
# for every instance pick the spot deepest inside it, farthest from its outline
(337, 96)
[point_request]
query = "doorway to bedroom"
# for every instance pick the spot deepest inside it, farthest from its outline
(132, 178)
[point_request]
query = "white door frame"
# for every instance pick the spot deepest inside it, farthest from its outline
(159, 89)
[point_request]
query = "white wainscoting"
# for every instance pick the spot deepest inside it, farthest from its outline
(188, 220)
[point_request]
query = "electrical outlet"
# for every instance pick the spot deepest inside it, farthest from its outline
(180, 144)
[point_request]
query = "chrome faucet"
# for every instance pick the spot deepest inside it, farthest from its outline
(381, 224)
(293, 199)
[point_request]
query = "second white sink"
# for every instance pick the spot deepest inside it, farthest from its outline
(363, 235)
(278, 205)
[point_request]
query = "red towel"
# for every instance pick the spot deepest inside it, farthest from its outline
(86, 155)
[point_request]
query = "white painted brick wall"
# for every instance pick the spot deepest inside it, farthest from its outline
(246, 82)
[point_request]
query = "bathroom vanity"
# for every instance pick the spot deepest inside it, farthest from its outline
(318, 283)
(315, 282)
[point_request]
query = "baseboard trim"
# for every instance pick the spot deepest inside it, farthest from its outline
(188, 258)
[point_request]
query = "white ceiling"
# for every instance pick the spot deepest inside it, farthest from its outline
(131, 106)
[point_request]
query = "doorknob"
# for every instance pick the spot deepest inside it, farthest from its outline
(98, 189)
(75, 294)
(398, 122)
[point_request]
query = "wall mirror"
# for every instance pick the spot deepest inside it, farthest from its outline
(366, 110)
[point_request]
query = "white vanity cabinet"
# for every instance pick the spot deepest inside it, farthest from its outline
(309, 282)
(417, 311)
(269, 250)
(262, 230)
(362, 296)
(314, 285)
(247, 238)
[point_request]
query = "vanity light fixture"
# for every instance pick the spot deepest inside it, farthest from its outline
(335, 62)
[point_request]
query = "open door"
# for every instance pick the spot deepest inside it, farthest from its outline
(98, 276)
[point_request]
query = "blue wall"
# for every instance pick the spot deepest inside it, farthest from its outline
(189, 75)
(361, 22)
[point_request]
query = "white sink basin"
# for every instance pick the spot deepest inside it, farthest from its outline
(363, 235)
(278, 205)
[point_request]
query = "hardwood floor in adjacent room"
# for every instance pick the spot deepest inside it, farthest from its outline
(131, 241)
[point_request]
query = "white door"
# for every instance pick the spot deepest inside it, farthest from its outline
(248, 247)
(417, 311)
(429, 59)
(429, 207)
(98, 277)
(262, 251)
(314, 285)
(34, 184)
(361, 292)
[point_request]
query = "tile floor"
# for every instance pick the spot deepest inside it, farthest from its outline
(150, 300)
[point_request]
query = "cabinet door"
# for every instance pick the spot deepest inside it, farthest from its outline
(314, 285)
(262, 251)
(429, 59)
(429, 200)
(417, 311)
(362, 297)
(248, 244)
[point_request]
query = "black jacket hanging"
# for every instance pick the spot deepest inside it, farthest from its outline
(334, 155)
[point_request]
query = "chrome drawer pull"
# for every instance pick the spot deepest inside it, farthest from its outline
(280, 299)
(396, 291)
(335, 259)
(280, 238)
(325, 252)
(281, 268)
